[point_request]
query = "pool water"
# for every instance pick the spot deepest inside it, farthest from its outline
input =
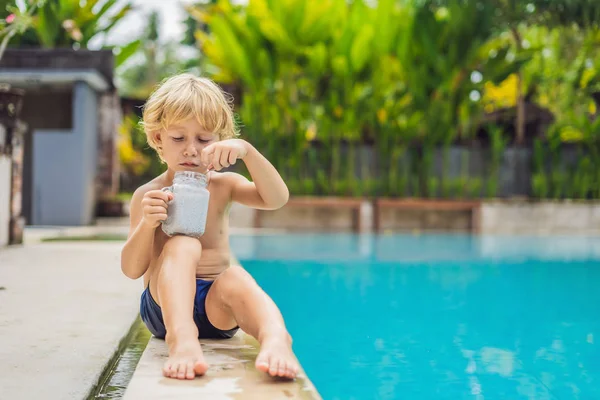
(439, 316)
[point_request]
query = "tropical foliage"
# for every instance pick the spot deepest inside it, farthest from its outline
(330, 72)
(63, 23)
(388, 97)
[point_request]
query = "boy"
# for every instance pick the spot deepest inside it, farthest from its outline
(191, 291)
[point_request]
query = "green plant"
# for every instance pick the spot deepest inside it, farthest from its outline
(339, 72)
(15, 22)
(497, 147)
(157, 60)
(319, 81)
(475, 186)
(540, 187)
(433, 185)
(64, 23)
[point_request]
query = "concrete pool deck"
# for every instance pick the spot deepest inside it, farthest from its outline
(231, 375)
(65, 308)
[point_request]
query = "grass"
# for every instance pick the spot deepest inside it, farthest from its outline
(95, 238)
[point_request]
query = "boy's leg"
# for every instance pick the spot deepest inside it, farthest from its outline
(236, 299)
(173, 284)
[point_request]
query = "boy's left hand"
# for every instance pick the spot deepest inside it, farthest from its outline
(223, 154)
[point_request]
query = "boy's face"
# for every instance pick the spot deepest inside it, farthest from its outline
(182, 145)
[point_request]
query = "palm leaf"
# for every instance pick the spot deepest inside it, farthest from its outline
(127, 51)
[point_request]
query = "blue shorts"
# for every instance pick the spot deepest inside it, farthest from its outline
(151, 315)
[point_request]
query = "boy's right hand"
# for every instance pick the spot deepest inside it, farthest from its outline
(154, 207)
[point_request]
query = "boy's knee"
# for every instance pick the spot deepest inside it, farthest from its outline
(183, 245)
(234, 278)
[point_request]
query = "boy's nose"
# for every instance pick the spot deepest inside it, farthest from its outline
(190, 151)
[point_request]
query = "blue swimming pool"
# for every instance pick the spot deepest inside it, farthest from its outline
(437, 316)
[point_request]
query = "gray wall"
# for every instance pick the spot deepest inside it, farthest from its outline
(64, 164)
(44, 109)
(5, 189)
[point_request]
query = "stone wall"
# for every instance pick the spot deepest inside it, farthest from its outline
(497, 217)
(308, 218)
(547, 217)
(424, 220)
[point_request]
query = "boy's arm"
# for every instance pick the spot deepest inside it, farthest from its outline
(137, 251)
(267, 190)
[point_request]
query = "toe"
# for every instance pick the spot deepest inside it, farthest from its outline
(190, 371)
(262, 363)
(181, 371)
(173, 371)
(282, 370)
(167, 369)
(200, 367)
(289, 371)
(273, 367)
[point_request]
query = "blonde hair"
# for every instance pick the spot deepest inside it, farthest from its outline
(183, 96)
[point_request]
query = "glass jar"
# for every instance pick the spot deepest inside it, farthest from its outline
(188, 210)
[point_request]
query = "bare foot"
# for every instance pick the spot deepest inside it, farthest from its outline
(185, 359)
(277, 358)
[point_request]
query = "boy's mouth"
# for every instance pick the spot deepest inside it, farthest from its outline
(189, 164)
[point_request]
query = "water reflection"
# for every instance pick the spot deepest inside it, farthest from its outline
(116, 381)
(458, 318)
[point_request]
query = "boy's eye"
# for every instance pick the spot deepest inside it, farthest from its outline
(203, 140)
(177, 139)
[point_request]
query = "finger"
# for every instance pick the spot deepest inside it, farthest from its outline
(159, 194)
(233, 157)
(157, 202)
(216, 159)
(160, 217)
(207, 152)
(224, 159)
(155, 210)
(210, 167)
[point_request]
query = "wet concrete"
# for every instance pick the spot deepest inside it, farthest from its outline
(231, 375)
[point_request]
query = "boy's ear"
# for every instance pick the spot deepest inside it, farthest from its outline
(157, 137)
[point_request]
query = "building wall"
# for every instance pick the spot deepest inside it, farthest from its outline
(109, 119)
(45, 109)
(85, 110)
(5, 181)
(64, 165)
